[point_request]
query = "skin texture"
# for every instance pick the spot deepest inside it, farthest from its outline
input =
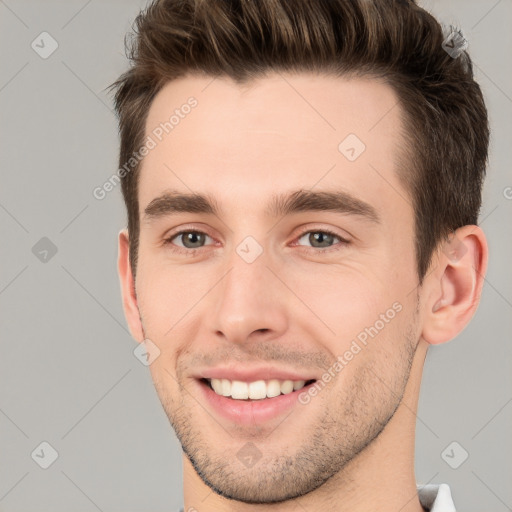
(352, 446)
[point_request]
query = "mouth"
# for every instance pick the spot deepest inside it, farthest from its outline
(255, 391)
(253, 396)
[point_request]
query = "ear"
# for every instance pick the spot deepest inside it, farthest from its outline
(455, 285)
(131, 310)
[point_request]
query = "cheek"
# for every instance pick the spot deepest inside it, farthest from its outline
(347, 298)
(166, 294)
(366, 315)
(377, 364)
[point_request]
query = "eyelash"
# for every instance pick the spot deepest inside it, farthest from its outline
(343, 242)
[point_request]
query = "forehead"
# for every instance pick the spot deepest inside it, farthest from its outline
(278, 133)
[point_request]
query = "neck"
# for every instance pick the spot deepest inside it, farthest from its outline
(380, 477)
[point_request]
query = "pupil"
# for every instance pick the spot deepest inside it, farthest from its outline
(191, 236)
(319, 237)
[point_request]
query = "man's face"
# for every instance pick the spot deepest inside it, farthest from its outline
(259, 296)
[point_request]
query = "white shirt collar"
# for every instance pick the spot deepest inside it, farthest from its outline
(436, 497)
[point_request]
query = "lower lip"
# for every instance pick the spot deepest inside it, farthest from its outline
(250, 412)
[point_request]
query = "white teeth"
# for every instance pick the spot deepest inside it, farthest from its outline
(298, 384)
(287, 387)
(217, 386)
(239, 390)
(226, 387)
(256, 390)
(273, 388)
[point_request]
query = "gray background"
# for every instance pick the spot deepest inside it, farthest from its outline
(69, 376)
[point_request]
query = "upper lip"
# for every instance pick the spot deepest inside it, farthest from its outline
(252, 375)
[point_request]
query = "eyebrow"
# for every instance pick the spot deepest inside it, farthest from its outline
(280, 205)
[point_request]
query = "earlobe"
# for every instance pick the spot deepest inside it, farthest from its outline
(127, 283)
(455, 285)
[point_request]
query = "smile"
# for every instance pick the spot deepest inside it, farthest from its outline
(250, 403)
(256, 390)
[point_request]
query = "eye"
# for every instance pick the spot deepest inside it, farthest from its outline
(190, 239)
(322, 239)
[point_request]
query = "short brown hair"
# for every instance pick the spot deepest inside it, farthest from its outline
(446, 133)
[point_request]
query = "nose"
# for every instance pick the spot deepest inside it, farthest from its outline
(250, 301)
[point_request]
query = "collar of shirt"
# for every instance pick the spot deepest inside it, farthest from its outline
(436, 497)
